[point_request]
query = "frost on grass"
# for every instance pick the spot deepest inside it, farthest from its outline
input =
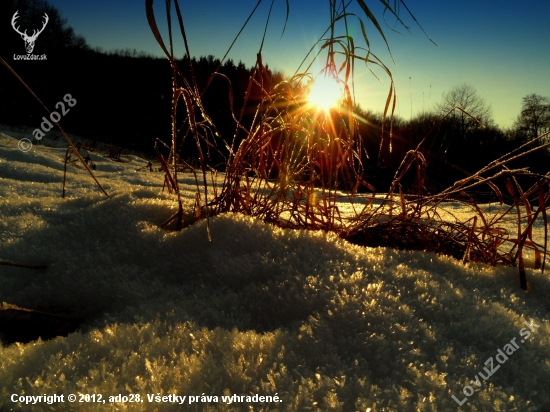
(324, 324)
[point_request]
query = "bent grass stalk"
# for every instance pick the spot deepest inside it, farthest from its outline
(71, 145)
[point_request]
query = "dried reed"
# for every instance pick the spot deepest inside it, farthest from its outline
(294, 165)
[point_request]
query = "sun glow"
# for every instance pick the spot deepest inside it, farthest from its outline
(325, 94)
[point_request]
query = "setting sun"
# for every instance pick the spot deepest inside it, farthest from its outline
(325, 93)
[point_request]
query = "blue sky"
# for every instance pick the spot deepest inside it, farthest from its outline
(500, 47)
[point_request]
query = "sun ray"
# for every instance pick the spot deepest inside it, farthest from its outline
(325, 93)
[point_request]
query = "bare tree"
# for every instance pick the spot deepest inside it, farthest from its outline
(534, 119)
(466, 97)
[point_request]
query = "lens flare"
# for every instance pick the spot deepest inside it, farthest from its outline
(325, 94)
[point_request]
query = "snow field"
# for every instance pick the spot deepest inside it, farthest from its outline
(325, 324)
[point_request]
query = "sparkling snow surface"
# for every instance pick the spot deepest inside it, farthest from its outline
(324, 324)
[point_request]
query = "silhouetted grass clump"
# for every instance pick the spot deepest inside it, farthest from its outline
(297, 166)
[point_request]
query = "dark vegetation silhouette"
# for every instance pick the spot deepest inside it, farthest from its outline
(534, 118)
(454, 147)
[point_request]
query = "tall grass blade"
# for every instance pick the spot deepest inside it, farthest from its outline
(72, 146)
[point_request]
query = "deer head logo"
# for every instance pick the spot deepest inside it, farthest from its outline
(29, 40)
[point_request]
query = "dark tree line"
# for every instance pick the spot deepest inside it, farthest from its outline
(122, 99)
(123, 96)
(458, 145)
